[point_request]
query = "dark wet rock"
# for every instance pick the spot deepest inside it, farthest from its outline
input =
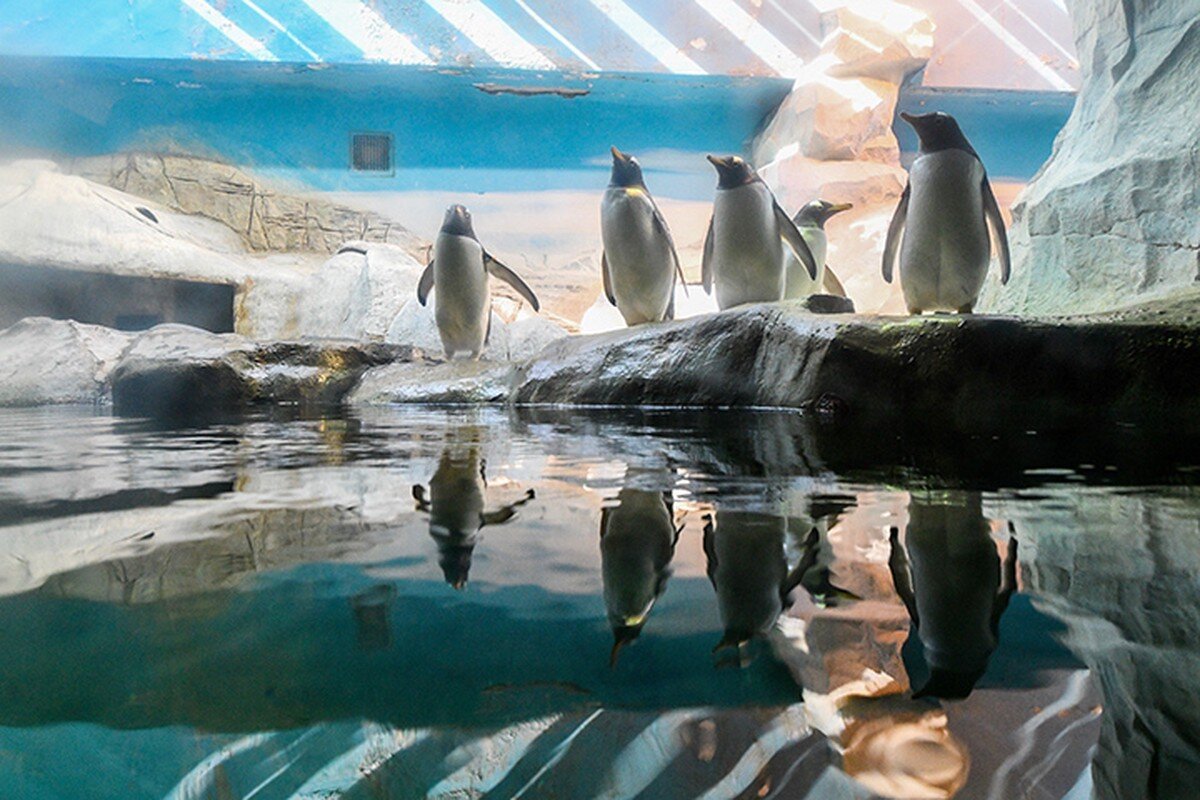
(972, 374)
(828, 304)
(174, 370)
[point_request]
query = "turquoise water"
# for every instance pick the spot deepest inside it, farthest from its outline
(468, 603)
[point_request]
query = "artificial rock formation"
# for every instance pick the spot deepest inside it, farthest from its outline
(265, 218)
(45, 361)
(832, 138)
(1113, 216)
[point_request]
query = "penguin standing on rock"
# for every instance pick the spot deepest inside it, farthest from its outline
(810, 221)
(639, 263)
(460, 270)
(944, 215)
(747, 237)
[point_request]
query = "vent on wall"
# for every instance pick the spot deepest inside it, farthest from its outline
(371, 152)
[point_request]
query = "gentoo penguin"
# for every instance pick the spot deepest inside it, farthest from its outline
(949, 575)
(748, 569)
(460, 269)
(639, 263)
(744, 247)
(944, 214)
(810, 221)
(456, 509)
(637, 542)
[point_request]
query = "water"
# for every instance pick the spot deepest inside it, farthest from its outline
(660, 605)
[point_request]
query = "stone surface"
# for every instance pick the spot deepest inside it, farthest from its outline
(449, 382)
(973, 374)
(46, 361)
(358, 292)
(265, 218)
(174, 370)
(1112, 216)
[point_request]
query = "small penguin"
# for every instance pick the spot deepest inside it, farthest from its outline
(810, 221)
(460, 269)
(944, 214)
(747, 237)
(456, 509)
(639, 263)
(951, 579)
(637, 543)
(748, 569)
(814, 571)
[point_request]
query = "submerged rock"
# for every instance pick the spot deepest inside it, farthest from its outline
(174, 370)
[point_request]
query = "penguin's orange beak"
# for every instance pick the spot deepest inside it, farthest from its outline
(618, 155)
(839, 208)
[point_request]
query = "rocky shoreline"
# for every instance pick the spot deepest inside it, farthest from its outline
(979, 374)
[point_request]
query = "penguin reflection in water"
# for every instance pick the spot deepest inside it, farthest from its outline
(747, 565)
(639, 264)
(460, 271)
(747, 238)
(456, 509)
(637, 543)
(944, 215)
(950, 577)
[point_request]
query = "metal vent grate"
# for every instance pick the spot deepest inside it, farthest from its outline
(371, 152)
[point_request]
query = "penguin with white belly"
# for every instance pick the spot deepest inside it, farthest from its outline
(747, 237)
(810, 221)
(639, 263)
(460, 270)
(944, 215)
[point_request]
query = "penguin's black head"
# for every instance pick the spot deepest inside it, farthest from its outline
(818, 212)
(622, 636)
(732, 171)
(938, 131)
(458, 221)
(947, 684)
(455, 561)
(626, 171)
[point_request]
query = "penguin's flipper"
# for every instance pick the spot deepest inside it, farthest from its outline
(991, 212)
(891, 246)
(425, 284)
(791, 235)
(608, 292)
(661, 224)
(832, 284)
(902, 575)
(706, 271)
(512, 279)
(670, 313)
(710, 549)
(418, 493)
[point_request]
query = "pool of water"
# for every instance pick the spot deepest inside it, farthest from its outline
(460, 603)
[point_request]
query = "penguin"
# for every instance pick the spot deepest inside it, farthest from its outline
(748, 569)
(944, 215)
(950, 577)
(637, 543)
(460, 269)
(456, 509)
(744, 246)
(814, 571)
(639, 263)
(810, 221)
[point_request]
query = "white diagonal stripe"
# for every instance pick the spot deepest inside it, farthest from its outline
(368, 31)
(760, 41)
(787, 15)
(281, 27)
(1045, 35)
(648, 37)
(550, 29)
(231, 31)
(1014, 44)
(491, 34)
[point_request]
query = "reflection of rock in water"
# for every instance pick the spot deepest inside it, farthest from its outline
(748, 569)
(1123, 571)
(949, 575)
(253, 543)
(371, 610)
(456, 508)
(637, 541)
